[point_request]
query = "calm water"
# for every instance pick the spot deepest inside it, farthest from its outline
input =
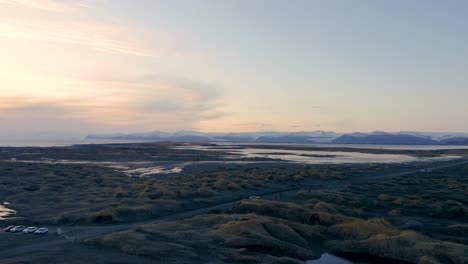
(147, 171)
(327, 258)
(360, 146)
(353, 258)
(397, 147)
(55, 143)
(319, 157)
(59, 143)
(143, 169)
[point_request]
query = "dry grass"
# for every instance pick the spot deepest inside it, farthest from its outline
(405, 245)
(232, 238)
(394, 212)
(260, 231)
(384, 197)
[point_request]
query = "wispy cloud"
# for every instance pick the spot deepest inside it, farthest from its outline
(107, 38)
(33, 98)
(29, 120)
(63, 22)
(254, 126)
(305, 126)
(48, 5)
(122, 104)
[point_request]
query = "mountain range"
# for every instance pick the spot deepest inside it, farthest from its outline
(378, 137)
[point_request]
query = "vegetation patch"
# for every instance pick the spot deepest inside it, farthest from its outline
(261, 231)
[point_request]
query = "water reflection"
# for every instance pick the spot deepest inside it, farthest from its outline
(317, 157)
(358, 146)
(327, 258)
(143, 172)
(353, 258)
(240, 155)
(139, 168)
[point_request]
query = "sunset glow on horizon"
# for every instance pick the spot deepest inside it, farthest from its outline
(79, 67)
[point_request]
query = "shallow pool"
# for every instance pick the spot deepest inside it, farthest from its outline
(317, 157)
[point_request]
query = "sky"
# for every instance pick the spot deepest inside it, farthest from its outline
(99, 66)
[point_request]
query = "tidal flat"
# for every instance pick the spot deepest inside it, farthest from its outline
(412, 212)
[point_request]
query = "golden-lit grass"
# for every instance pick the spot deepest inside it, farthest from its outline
(260, 231)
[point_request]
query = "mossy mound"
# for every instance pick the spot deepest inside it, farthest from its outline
(406, 246)
(289, 211)
(261, 231)
(232, 238)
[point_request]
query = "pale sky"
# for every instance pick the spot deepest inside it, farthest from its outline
(91, 66)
